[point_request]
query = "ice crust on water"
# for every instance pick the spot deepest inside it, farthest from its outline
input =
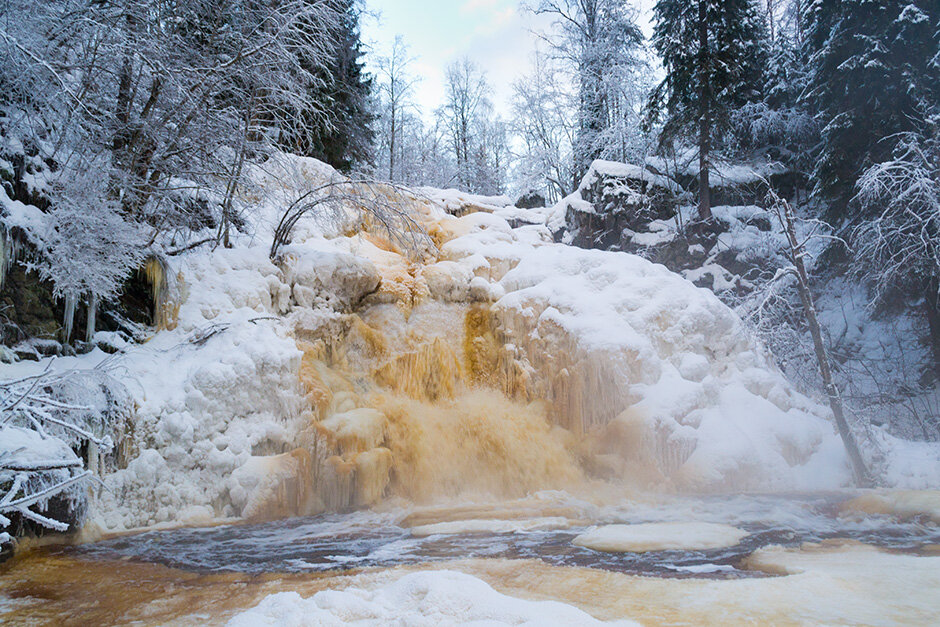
(418, 599)
(490, 526)
(672, 536)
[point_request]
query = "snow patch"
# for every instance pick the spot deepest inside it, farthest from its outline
(419, 599)
(674, 536)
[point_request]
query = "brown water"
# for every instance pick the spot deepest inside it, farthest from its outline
(205, 575)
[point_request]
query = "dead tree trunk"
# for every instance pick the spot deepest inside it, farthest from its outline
(797, 252)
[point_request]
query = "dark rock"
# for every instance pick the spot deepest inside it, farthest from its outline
(619, 198)
(29, 307)
(531, 200)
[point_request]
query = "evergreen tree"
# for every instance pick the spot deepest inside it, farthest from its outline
(780, 125)
(873, 76)
(344, 136)
(713, 54)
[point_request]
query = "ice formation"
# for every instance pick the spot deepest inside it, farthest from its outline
(675, 536)
(496, 362)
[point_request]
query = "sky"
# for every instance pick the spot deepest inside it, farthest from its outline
(497, 35)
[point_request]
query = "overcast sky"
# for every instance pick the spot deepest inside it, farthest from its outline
(495, 34)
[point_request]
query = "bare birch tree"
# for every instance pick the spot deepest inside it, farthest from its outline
(797, 253)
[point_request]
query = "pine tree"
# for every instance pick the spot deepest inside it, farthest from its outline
(713, 54)
(873, 77)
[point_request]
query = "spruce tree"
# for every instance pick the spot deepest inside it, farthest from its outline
(713, 54)
(340, 132)
(873, 76)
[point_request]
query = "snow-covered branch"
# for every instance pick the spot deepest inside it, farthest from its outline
(45, 418)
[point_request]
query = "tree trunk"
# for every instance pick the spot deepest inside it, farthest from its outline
(704, 189)
(704, 133)
(391, 150)
(932, 305)
(797, 252)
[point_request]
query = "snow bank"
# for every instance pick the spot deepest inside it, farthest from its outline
(14, 214)
(675, 536)
(722, 173)
(691, 394)
(427, 598)
(457, 202)
(202, 411)
(25, 447)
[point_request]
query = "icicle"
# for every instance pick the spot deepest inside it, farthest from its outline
(93, 459)
(92, 314)
(69, 318)
(163, 291)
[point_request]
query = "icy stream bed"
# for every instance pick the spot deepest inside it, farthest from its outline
(368, 539)
(834, 558)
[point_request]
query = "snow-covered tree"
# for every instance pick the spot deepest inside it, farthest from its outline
(490, 160)
(91, 247)
(396, 87)
(779, 124)
(44, 419)
(465, 105)
(898, 246)
(151, 102)
(544, 118)
(602, 46)
(345, 137)
(873, 75)
(713, 55)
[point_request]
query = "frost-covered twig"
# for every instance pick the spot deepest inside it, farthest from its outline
(386, 203)
(201, 336)
(44, 417)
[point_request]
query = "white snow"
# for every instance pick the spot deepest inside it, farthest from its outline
(13, 213)
(421, 599)
(25, 446)
(490, 526)
(739, 425)
(722, 173)
(602, 168)
(671, 536)
(458, 202)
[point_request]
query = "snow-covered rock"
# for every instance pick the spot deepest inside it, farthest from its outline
(420, 599)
